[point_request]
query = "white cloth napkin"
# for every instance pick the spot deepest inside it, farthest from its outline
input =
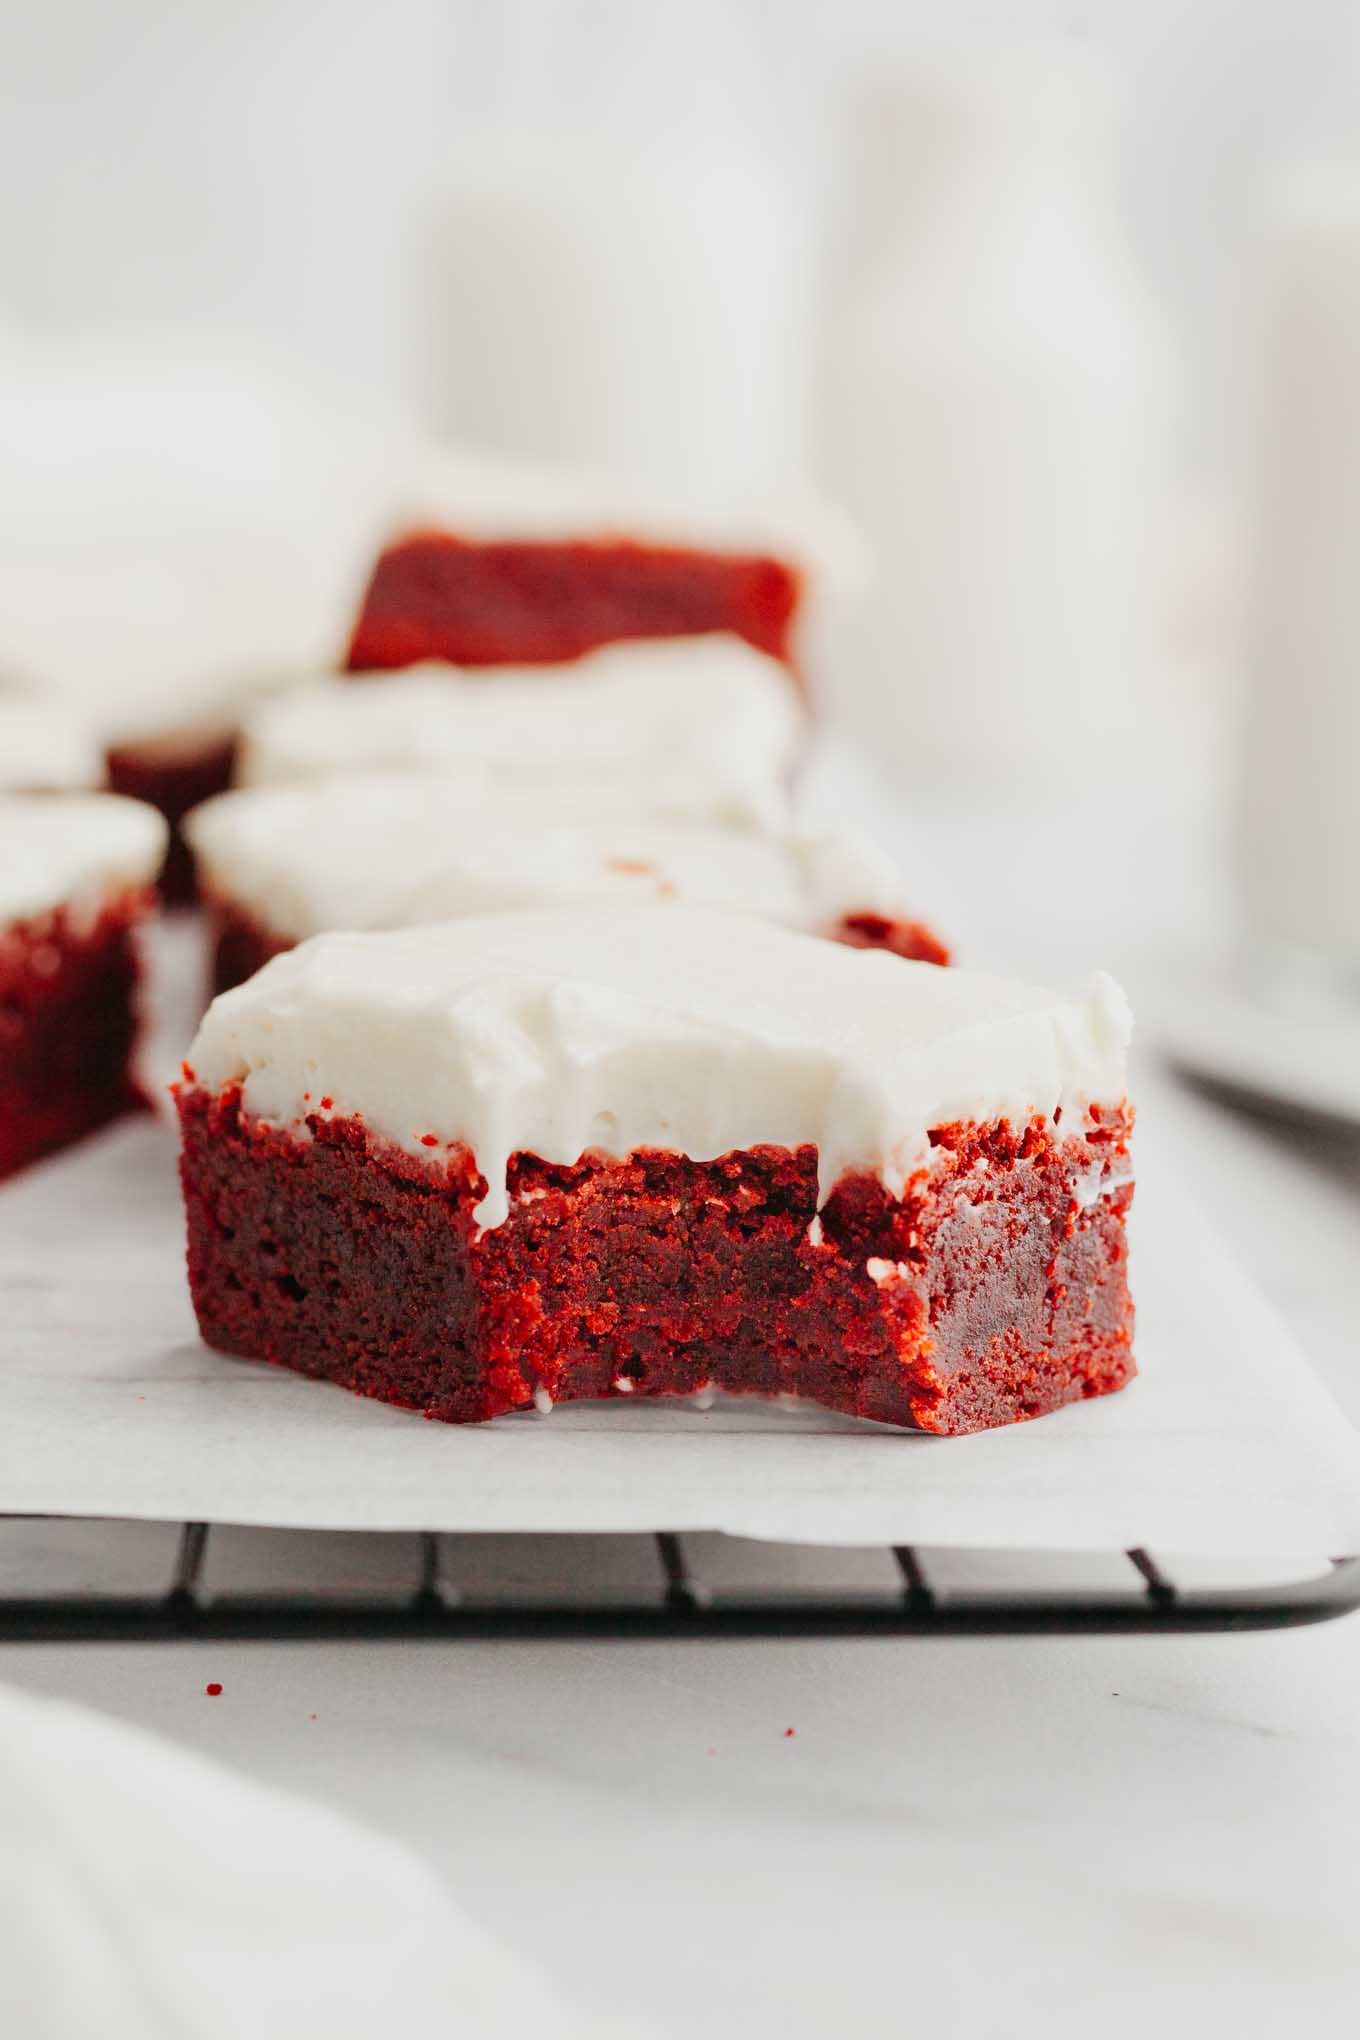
(147, 1893)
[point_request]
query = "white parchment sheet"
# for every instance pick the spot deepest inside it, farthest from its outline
(110, 1406)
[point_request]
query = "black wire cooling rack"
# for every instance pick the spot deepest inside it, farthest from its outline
(431, 1589)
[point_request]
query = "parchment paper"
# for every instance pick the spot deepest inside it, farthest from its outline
(110, 1406)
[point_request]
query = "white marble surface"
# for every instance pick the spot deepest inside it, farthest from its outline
(961, 1838)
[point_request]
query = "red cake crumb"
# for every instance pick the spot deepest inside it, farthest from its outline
(213, 1688)
(174, 775)
(912, 939)
(68, 1027)
(242, 945)
(435, 596)
(987, 1293)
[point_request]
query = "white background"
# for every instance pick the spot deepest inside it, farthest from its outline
(266, 166)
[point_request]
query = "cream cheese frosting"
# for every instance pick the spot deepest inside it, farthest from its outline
(612, 1029)
(43, 749)
(694, 725)
(73, 849)
(384, 851)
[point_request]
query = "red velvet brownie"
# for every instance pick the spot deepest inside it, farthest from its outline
(521, 602)
(527, 1158)
(502, 564)
(278, 864)
(76, 874)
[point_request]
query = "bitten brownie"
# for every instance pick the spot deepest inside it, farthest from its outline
(523, 1159)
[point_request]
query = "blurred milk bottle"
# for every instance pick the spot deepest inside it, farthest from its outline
(998, 403)
(619, 263)
(1300, 821)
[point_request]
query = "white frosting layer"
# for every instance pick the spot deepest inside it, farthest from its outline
(386, 852)
(614, 1029)
(71, 849)
(44, 749)
(692, 726)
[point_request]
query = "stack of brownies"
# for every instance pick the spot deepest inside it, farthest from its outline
(551, 1058)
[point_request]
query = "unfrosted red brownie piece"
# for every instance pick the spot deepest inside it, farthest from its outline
(435, 595)
(989, 1292)
(416, 1164)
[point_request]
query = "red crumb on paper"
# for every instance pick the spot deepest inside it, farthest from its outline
(213, 1688)
(787, 1732)
(187, 1072)
(429, 1140)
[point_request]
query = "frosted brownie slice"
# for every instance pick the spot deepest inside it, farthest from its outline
(525, 1158)
(706, 725)
(77, 873)
(280, 863)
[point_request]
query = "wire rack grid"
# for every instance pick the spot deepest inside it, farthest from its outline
(910, 1600)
